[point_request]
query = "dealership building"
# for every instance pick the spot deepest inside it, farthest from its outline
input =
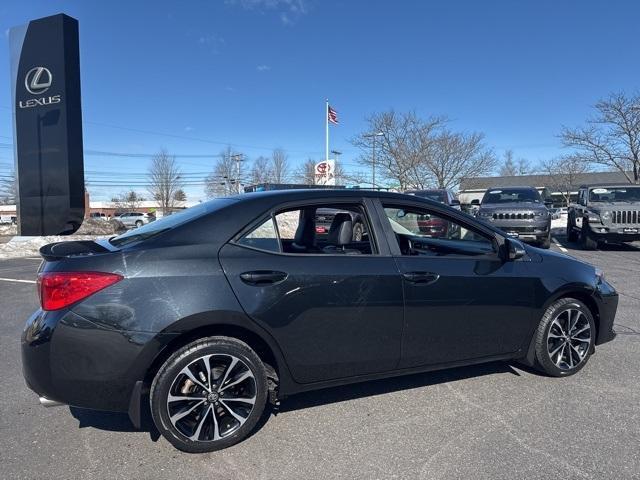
(473, 188)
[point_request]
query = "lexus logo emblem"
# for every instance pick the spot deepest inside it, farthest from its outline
(38, 80)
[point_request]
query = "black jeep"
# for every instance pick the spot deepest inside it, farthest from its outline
(605, 213)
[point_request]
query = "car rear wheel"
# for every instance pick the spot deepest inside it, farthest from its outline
(209, 394)
(565, 338)
(139, 223)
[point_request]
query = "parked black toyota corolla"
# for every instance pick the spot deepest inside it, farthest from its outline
(212, 312)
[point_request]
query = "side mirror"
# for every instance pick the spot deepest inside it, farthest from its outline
(455, 201)
(475, 201)
(548, 203)
(515, 250)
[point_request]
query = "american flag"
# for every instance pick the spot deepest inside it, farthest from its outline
(332, 115)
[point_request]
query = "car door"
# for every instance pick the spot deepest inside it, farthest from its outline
(462, 301)
(334, 315)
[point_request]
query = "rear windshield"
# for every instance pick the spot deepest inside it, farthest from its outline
(170, 221)
(506, 195)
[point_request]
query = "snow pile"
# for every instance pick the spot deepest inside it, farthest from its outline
(8, 230)
(96, 226)
(558, 225)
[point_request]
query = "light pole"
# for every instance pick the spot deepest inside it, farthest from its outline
(373, 156)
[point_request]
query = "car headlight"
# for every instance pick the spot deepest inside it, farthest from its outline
(484, 214)
(594, 217)
(600, 275)
(541, 213)
(605, 216)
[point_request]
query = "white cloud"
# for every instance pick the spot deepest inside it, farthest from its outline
(263, 68)
(188, 129)
(212, 42)
(288, 10)
(230, 89)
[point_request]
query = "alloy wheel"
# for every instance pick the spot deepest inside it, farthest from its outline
(569, 339)
(212, 397)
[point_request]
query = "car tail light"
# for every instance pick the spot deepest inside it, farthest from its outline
(61, 289)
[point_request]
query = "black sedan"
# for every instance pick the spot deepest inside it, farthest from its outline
(208, 315)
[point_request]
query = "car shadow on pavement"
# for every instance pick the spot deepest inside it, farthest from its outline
(115, 421)
(119, 422)
(390, 385)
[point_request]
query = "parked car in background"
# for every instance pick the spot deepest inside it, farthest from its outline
(135, 219)
(605, 213)
(440, 195)
(210, 313)
(434, 226)
(519, 211)
(13, 219)
(98, 216)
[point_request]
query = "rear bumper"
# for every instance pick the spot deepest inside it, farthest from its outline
(70, 360)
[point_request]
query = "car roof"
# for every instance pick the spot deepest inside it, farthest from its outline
(595, 185)
(311, 193)
(523, 187)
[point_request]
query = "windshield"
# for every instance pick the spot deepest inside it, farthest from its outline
(615, 194)
(170, 221)
(506, 195)
(435, 195)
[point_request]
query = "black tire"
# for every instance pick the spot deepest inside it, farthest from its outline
(139, 223)
(190, 355)
(544, 343)
(358, 232)
(572, 235)
(546, 242)
(586, 242)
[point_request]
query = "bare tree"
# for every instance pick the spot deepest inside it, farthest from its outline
(279, 166)
(261, 171)
(456, 155)
(563, 174)
(8, 187)
(512, 167)
(401, 149)
(164, 180)
(611, 137)
(226, 176)
(413, 152)
(180, 196)
(128, 201)
(306, 173)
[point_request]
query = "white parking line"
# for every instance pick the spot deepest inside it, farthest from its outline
(16, 280)
(562, 249)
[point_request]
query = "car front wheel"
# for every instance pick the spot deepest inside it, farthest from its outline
(209, 394)
(565, 338)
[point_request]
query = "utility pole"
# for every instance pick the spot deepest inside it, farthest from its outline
(238, 158)
(373, 156)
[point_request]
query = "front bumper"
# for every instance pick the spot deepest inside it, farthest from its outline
(607, 299)
(615, 234)
(70, 360)
(525, 231)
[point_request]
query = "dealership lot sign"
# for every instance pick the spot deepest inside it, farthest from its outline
(45, 75)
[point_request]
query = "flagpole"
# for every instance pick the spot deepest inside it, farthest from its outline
(326, 121)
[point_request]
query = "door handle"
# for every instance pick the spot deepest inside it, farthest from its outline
(263, 277)
(424, 278)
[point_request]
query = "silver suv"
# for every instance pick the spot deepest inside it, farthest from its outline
(135, 219)
(520, 211)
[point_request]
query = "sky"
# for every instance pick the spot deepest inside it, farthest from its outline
(195, 76)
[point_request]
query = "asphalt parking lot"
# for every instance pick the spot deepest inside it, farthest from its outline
(495, 421)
